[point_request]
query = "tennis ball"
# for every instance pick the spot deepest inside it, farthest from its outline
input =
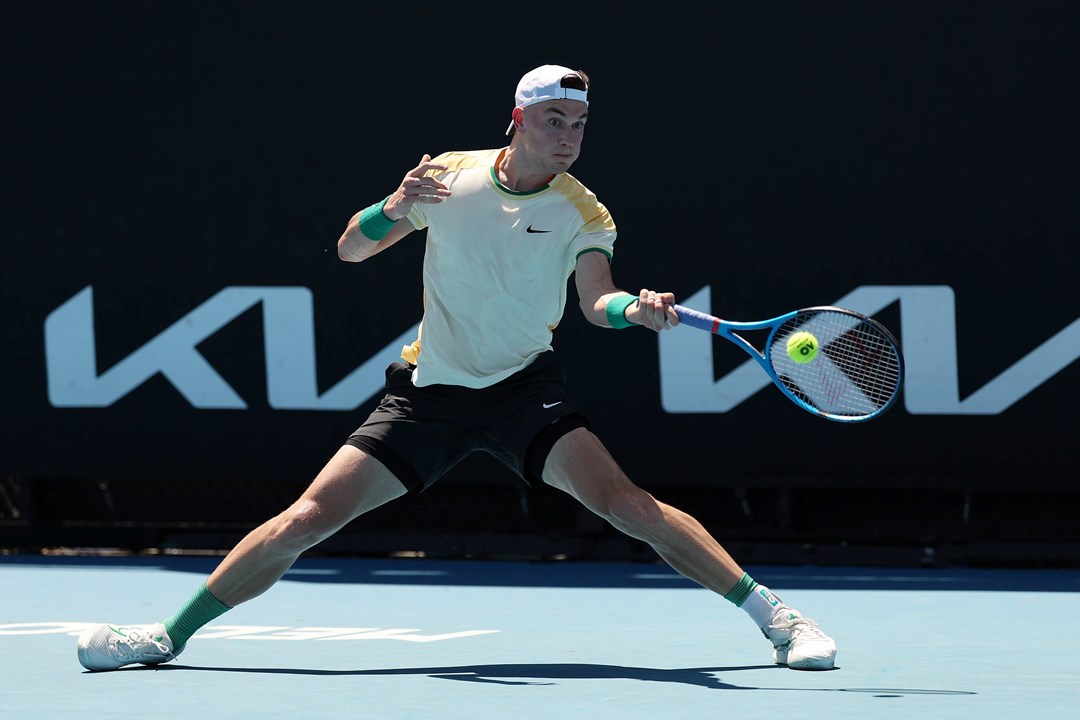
(802, 347)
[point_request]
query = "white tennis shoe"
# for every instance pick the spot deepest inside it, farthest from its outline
(110, 647)
(798, 642)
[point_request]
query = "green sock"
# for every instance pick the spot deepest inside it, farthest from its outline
(201, 608)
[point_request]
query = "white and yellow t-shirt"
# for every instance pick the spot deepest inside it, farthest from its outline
(496, 268)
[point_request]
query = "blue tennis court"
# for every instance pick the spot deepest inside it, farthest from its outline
(420, 638)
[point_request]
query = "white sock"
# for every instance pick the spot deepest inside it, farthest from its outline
(761, 604)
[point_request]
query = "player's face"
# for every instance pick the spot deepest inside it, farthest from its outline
(554, 130)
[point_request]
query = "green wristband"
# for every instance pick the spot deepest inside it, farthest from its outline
(616, 311)
(373, 221)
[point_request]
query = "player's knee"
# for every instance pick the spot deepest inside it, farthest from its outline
(635, 512)
(303, 525)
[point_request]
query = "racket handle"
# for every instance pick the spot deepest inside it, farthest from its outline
(695, 318)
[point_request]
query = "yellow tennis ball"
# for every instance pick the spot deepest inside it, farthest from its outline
(802, 347)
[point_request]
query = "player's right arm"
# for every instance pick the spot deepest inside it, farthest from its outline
(388, 221)
(596, 289)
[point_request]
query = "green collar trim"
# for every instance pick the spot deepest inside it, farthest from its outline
(513, 193)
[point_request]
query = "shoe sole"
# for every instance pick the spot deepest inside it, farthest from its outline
(807, 663)
(811, 664)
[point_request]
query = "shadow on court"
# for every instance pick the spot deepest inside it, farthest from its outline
(515, 673)
(551, 673)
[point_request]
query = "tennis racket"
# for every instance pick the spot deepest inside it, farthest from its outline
(855, 375)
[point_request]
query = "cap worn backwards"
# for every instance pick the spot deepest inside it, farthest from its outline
(545, 83)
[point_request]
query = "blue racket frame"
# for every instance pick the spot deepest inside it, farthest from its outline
(877, 395)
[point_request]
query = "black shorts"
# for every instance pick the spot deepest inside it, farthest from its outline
(419, 433)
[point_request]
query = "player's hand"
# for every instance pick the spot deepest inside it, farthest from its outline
(654, 310)
(415, 188)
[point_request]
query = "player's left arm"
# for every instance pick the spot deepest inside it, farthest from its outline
(596, 288)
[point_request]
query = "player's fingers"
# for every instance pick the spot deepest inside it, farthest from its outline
(427, 199)
(645, 305)
(668, 317)
(419, 169)
(424, 166)
(652, 305)
(424, 190)
(421, 180)
(656, 311)
(671, 316)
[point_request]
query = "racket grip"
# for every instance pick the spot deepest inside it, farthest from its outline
(695, 318)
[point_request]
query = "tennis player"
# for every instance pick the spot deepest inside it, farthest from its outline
(505, 230)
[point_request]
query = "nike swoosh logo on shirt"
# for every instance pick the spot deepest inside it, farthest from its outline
(551, 405)
(530, 230)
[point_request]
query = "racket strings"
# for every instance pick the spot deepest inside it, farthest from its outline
(864, 357)
(857, 370)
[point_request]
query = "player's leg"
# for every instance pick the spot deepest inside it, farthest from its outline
(579, 464)
(352, 483)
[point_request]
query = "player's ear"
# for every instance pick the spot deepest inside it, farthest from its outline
(519, 118)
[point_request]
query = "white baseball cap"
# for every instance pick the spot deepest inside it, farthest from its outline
(545, 83)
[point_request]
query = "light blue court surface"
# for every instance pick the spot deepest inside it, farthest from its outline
(397, 639)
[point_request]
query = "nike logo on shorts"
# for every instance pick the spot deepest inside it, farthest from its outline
(530, 230)
(551, 405)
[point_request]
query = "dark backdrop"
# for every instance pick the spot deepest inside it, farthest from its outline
(783, 156)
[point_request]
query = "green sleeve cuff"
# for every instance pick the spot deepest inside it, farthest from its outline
(616, 311)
